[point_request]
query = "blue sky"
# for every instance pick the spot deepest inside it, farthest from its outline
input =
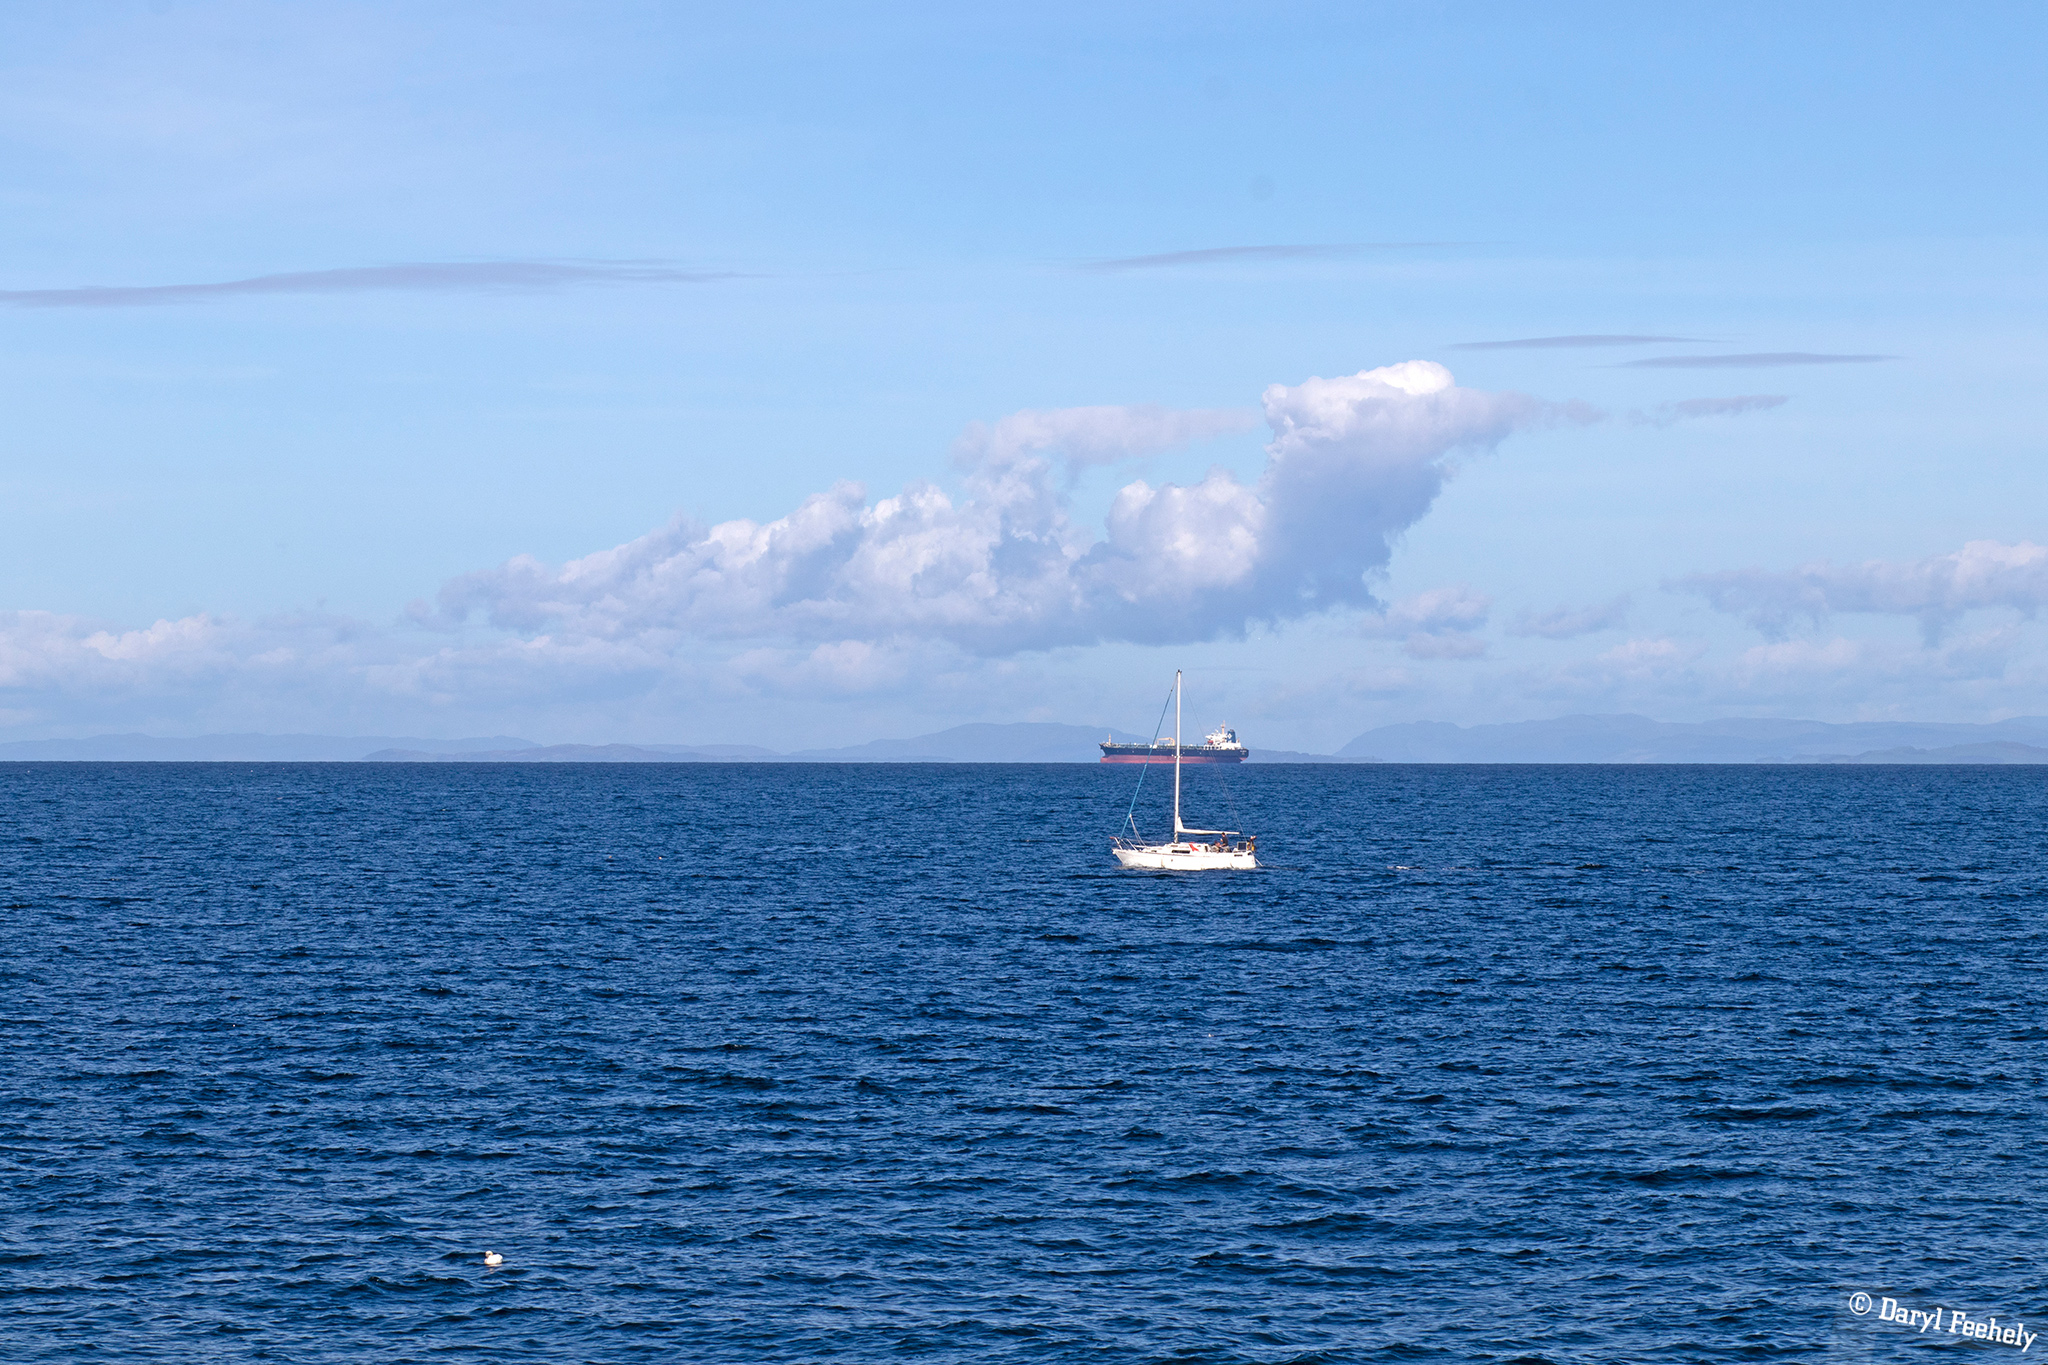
(336, 339)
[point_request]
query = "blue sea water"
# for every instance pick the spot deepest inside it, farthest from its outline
(821, 1063)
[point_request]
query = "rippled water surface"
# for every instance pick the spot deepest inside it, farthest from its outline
(764, 1063)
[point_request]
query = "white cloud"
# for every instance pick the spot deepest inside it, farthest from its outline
(842, 668)
(1978, 676)
(1425, 646)
(52, 664)
(1564, 623)
(1352, 462)
(1436, 623)
(921, 594)
(1664, 414)
(1439, 610)
(1864, 670)
(45, 650)
(1650, 658)
(1799, 661)
(1937, 590)
(1095, 435)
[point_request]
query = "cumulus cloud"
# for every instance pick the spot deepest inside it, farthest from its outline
(1435, 612)
(40, 649)
(1757, 360)
(1351, 463)
(1436, 624)
(1564, 623)
(416, 277)
(1937, 590)
(844, 597)
(196, 662)
(1685, 410)
(1094, 435)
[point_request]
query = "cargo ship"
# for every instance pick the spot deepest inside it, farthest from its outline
(1218, 746)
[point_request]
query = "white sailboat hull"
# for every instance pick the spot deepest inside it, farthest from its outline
(1185, 858)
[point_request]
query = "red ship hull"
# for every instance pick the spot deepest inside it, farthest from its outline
(1167, 758)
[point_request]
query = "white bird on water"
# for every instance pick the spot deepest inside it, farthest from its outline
(493, 1259)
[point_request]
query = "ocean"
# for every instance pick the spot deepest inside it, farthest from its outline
(885, 1063)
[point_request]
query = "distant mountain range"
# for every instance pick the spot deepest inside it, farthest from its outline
(1023, 742)
(1568, 739)
(242, 748)
(1018, 743)
(1638, 739)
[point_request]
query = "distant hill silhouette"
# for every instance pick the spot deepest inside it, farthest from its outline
(541, 753)
(241, 748)
(1996, 752)
(1638, 739)
(1021, 742)
(1567, 739)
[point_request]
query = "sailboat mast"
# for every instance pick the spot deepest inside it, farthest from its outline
(1176, 753)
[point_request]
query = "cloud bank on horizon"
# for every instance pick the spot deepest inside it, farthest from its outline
(846, 597)
(835, 595)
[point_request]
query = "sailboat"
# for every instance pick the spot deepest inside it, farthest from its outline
(1190, 850)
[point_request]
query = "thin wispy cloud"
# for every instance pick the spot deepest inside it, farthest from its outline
(1565, 623)
(1094, 435)
(1938, 589)
(1572, 342)
(1437, 624)
(411, 277)
(1219, 255)
(1685, 410)
(1761, 360)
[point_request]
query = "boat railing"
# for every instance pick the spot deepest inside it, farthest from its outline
(1242, 842)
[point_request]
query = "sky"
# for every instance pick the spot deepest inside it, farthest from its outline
(801, 375)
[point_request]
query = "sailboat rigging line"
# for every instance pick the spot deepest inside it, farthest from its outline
(1229, 799)
(1131, 815)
